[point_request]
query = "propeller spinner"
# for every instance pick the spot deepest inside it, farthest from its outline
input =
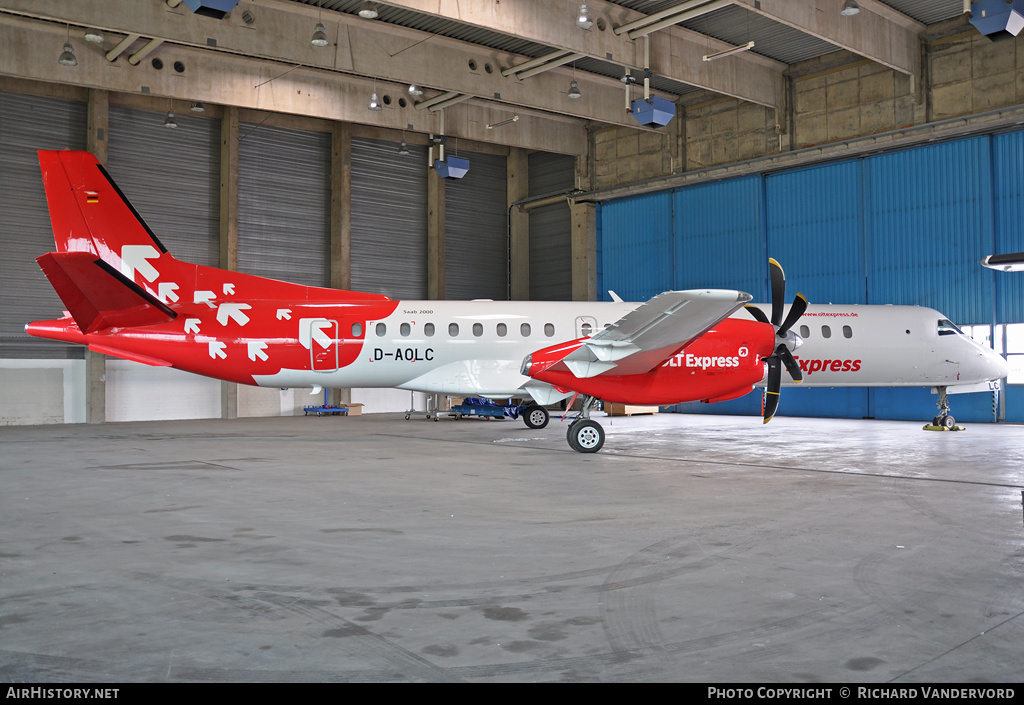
(782, 355)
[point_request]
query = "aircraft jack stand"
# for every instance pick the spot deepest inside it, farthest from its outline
(944, 421)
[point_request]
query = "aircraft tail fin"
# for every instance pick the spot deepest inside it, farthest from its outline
(98, 296)
(89, 213)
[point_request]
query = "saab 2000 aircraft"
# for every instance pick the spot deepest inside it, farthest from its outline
(127, 296)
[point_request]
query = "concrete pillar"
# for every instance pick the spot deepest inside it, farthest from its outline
(584, 241)
(95, 363)
(518, 189)
(341, 223)
(229, 228)
(435, 236)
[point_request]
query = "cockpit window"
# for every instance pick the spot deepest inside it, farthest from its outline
(947, 328)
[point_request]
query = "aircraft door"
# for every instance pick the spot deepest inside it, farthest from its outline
(585, 326)
(323, 344)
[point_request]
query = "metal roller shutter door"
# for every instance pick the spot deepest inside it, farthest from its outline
(389, 219)
(551, 228)
(476, 231)
(29, 123)
(284, 204)
(172, 177)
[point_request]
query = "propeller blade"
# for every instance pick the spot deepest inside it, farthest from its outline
(792, 366)
(795, 311)
(778, 280)
(771, 392)
(758, 314)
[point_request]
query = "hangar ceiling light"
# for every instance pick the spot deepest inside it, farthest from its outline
(67, 57)
(319, 35)
(368, 10)
(850, 7)
(583, 20)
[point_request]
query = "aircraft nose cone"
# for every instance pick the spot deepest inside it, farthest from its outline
(998, 363)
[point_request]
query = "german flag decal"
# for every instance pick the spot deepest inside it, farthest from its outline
(92, 197)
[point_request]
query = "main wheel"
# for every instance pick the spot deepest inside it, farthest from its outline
(586, 436)
(536, 416)
(948, 422)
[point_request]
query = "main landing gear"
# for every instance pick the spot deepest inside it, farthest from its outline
(944, 421)
(584, 434)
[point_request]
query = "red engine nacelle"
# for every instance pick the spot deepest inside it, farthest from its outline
(724, 363)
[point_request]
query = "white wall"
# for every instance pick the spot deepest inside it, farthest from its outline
(42, 392)
(137, 392)
(54, 392)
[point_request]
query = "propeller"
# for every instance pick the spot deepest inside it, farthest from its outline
(782, 356)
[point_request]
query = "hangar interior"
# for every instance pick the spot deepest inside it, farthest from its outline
(876, 154)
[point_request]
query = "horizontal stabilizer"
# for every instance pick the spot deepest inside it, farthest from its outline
(97, 296)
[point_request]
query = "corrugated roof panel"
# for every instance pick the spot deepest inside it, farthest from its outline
(736, 25)
(928, 11)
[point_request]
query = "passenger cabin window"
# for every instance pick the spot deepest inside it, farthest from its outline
(549, 329)
(405, 330)
(478, 329)
(947, 327)
(428, 329)
(453, 329)
(525, 330)
(805, 332)
(826, 332)
(847, 332)
(502, 330)
(586, 329)
(357, 330)
(382, 330)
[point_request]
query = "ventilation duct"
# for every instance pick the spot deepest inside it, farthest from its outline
(217, 9)
(998, 19)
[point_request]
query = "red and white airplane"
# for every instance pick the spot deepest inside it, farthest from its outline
(127, 296)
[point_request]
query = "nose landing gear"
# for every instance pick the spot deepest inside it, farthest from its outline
(943, 421)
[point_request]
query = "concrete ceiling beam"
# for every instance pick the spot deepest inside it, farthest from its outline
(280, 31)
(755, 79)
(31, 48)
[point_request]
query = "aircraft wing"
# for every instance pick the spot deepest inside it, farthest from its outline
(649, 334)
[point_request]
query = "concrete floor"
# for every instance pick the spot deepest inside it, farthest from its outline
(692, 548)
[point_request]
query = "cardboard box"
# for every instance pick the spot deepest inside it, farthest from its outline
(354, 410)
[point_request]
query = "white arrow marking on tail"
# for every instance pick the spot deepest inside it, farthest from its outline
(226, 311)
(284, 314)
(229, 289)
(165, 291)
(256, 350)
(319, 335)
(134, 259)
(311, 329)
(192, 325)
(217, 350)
(205, 297)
